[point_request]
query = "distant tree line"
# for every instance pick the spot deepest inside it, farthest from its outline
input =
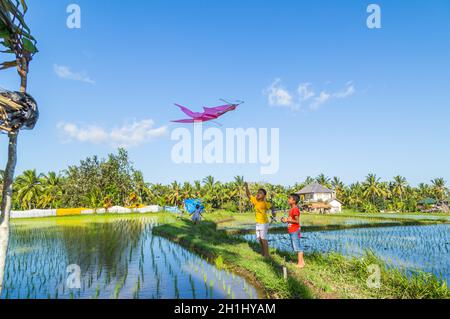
(95, 182)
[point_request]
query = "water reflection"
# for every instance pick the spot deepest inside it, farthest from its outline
(411, 248)
(117, 259)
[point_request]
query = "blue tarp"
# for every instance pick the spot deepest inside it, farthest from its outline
(191, 204)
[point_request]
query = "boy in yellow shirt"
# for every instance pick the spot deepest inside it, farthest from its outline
(262, 221)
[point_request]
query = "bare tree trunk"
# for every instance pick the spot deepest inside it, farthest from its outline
(6, 204)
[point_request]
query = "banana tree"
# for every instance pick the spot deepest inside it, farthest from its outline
(17, 43)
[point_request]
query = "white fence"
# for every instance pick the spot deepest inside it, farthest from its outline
(34, 213)
(38, 213)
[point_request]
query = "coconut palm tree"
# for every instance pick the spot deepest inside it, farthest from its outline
(323, 180)
(174, 196)
(399, 186)
(338, 187)
(438, 188)
(52, 190)
(187, 191)
(372, 187)
(29, 189)
(424, 190)
(210, 187)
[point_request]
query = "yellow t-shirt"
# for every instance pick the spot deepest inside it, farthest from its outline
(261, 209)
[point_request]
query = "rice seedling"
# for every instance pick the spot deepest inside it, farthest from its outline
(115, 255)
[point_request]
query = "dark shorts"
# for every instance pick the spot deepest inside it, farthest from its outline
(295, 241)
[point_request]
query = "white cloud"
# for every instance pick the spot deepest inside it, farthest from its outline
(131, 135)
(64, 72)
(278, 95)
(304, 92)
(347, 92)
(322, 98)
(305, 96)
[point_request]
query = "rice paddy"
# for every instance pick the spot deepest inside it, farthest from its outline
(408, 248)
(117, 258)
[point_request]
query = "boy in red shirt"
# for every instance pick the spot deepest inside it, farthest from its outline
(293, 222)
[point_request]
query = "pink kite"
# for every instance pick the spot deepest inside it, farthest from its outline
(208, 114)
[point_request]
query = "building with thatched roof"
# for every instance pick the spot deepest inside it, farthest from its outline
(316, 197)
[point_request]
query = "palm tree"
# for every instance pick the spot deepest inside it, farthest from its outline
(211, 194)
(29, 189)
(372, 187)
(338, 187)
(174, 194)
(424, 190)
(197, 189)
(323, 180)
(438, 188)
(399, 186)
(52, 190)
(187, 190)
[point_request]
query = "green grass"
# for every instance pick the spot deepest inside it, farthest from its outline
(325, 276)
(235, 255)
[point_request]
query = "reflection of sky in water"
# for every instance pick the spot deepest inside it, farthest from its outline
(425, 248)
(118, 260)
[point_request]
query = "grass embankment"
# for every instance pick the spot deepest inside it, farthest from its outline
(325, 276)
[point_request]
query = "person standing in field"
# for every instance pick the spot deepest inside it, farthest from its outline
(197, 215)
(261, 207)
(293, 222)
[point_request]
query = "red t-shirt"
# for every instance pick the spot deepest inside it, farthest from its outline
(292, 228)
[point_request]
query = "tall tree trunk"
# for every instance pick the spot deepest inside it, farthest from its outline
(7, 192)
(7, 202)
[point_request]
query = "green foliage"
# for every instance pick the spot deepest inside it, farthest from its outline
(88, 184)
(15, 34)
(93, 180)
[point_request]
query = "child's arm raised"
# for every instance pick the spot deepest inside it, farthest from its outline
(247, 191)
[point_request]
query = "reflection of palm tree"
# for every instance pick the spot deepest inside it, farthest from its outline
(28, 189)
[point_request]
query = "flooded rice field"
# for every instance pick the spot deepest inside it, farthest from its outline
(113, 259)
(410, 248)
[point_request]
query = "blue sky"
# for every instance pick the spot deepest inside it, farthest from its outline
(381, 98)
